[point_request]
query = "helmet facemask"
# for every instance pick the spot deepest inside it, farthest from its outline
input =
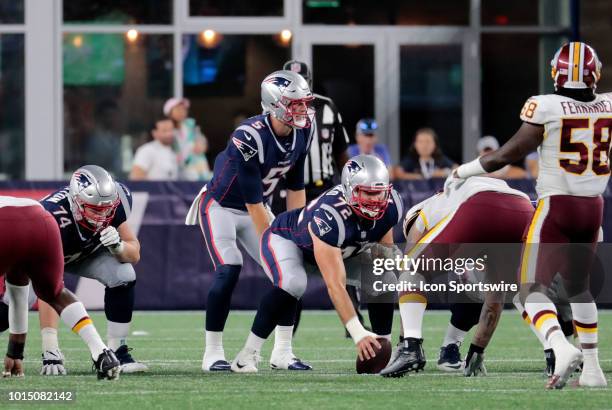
(370, 202)
(95, 217)
(298, 113)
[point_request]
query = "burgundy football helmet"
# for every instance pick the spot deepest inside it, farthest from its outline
(575, 65)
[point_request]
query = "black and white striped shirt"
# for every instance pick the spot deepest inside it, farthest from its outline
(329, 142)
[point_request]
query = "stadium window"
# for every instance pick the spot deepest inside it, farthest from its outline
(431, 92)
(117, 12)
(386, 12)
(235, 8)
(12, 97)
(504, 88)
(11, 12)
(222, 79)
(524, 12)
(114, 88)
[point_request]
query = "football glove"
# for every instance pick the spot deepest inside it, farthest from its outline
(52, 363)
(109, 237)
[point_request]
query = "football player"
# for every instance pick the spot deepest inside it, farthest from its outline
(230, 208)
(98, 243)
(481, 211)
(31, 250)
(342, 223)
(571, 130)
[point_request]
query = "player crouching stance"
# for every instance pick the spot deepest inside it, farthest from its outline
(343, 222)
(92, 214)
(571, 130)
(31, 250)
(479, 211)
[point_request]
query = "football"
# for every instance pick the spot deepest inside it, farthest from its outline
(376, 364)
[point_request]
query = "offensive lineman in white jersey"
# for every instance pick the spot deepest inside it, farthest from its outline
(571, 129)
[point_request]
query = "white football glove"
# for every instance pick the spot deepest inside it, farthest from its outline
(53, 363)
(109, 237)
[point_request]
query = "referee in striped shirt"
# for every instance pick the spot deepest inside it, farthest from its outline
(328, 149)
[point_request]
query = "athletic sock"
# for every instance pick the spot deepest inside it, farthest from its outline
(453, 335)
(585, 321)
(118, 307)
(76, 318)
(283, 337)
(519, 306)
(412, 308)
(275, 304)
(214, 344)
(49, 339)
(220, 296)
(254, 342)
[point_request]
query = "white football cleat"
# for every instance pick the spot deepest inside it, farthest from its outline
(128, 363)
(215, 362)
(246, 361)
(286, 360)
(592, 378)
(566, 361)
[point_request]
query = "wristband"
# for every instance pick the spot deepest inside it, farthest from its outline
(15, 350)
(116, 249)
(470, 169)
(356, 329)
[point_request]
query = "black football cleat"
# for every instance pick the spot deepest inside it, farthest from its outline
(128, 364)
(549, 355)
(220, 366)
(450, 358)
(107, 365)
(411, 358)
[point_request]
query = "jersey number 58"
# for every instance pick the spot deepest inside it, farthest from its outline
(600, 163)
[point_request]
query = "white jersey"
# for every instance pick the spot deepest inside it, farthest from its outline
(12, 201)
(574, 155)
(442, 205)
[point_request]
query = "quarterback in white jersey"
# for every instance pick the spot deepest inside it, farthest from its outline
(571, 129)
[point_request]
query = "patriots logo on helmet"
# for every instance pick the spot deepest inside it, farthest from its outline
(353, 167)
(83, 180)
(245, 149)
(279, 81)
(322, 225)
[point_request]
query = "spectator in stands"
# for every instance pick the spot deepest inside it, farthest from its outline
(156, 160)
(425, 159)
(366, 136)
(103, 147)
(190, 144)
(489, 143)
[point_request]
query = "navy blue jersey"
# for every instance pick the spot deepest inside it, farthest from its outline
(79, 242)
(333, 221)
(248, 170)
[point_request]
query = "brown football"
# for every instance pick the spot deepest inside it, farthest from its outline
(379, 362)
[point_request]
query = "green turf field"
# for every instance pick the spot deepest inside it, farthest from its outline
(172, 344)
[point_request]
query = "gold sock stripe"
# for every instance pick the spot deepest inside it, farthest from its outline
(581, 329)
(81, 324)
(543, 318)
(413, 298)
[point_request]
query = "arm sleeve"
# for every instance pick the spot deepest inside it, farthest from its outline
(244, 150)
(325, 226)
(295, 176)
(125, 205)
(534, 110)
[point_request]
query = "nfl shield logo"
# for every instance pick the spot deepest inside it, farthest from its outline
(325, 133)
(296, 67)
